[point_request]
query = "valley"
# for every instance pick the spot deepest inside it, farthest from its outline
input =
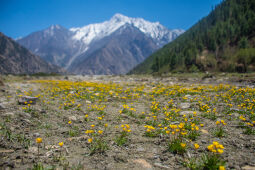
(128, 122)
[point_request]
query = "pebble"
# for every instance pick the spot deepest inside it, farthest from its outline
(43, 111)
(143, 163)
(203, 141)
(204, 131)
(6, 150)
(33, 149)
(185, 105)
(12, 128)
(36, 134)
(9, 114)
(88, 102)
(27, 121)
(140, 149)
(72, 118)
(186, 113)
(26, 115)
(2, 107)
(161, 166)
(247, 167)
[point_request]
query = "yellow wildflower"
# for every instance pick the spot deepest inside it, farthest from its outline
(60, 144)
(38, 140)
(183, 145)
(90, 140)
(196, 146)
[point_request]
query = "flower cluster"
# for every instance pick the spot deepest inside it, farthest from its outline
(216, 147)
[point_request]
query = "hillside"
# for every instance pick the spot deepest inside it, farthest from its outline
(15, 59)
(222, 41)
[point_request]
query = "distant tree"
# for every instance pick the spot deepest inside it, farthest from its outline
(243, 43)
(155, 65)
(172, 62)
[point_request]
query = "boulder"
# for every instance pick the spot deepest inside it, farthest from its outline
(27, 100)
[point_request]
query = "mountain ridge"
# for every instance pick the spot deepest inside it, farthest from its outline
(63, 47)
(15, 59)
(127, 46)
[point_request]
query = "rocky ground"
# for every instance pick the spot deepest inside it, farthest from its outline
(128, 122)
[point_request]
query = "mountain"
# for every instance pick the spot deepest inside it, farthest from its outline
(120, 52)
(16, 59)
(222, 41)
(160, 34)
(67, 48)
(54, 44)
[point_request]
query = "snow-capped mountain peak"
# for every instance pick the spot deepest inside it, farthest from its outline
(52, 29)
(92, 32)
(129, 40)
(120, 18)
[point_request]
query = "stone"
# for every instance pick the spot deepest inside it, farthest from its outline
(185, 105)
(27, 100)
(11, 114)
(188, 96)
(12, 128)
(186, 113)
(36, 134)
(33, 149)
(27, 121)
(72, 118)
(253, 142)
(6, 150)
(120, 158)
(84, 137)
(161, 166)
(2, 107)
(143, 163)
(26, 115)
(204, 131)
(203, 141)
(49, 153)
(88, 102)
(247, 167)
(43, 111)
(140, 149)
(51, 147)
(220, 80)
(163, 158)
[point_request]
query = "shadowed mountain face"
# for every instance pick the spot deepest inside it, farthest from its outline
(53, 44)
(16, 59)
(92, 49)
(118, 53)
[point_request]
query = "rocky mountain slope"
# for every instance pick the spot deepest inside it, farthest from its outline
(15, 59)
(65, 48)
(118, 53)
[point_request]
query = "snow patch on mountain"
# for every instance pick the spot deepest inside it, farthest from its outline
(92, 32)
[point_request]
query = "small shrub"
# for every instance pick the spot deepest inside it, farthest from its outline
(177, 147)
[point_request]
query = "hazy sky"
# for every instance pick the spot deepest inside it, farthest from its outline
(21, 17)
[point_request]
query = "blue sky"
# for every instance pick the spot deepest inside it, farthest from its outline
(21, 17)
